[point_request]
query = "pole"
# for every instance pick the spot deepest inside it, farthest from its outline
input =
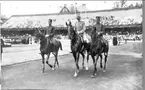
(76, 9)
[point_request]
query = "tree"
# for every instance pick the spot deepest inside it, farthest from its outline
(123, 3)
(72, 8)
(120, 4)
(138, 5)
(116, 5)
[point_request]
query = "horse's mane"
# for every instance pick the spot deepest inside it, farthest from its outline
(75, 36)
(40, 36)
(95, 36)
(73, 32)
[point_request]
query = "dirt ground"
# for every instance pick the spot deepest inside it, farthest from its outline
(124, 72)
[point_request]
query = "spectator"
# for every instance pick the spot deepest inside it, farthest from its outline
(115, 40)
(2, 44)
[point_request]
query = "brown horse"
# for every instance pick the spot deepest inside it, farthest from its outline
(98, 46)
(77, 46)
(47, 47)
(87, 45)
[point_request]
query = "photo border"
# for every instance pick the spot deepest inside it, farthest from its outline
(143, 27)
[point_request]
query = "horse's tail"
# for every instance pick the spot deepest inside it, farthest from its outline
(60, 45)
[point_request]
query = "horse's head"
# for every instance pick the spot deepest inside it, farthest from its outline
(93, 33)
(39, 34)
(71, 31)
(96, 42)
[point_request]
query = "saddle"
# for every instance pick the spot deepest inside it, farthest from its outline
(52, 41)
(81, 36)
(103, 41)
(87, 38)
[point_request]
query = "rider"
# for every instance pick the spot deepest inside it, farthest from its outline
(99, 27)
(80, 27)
(49, 32)
(1, 44)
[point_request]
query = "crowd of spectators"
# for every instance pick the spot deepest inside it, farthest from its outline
(121, 36)
(16, 38)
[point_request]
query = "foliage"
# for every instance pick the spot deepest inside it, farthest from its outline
(122, 4)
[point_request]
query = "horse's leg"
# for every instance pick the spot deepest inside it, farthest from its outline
(77, 61)
(75, 57)
(57, 58)
(95, 68)
(106, 55)
(48, 61)
(87, 61)
(54, 61)
(77, 66)
(43, 62)
(101, 66)
(97, 56)
(83, 60)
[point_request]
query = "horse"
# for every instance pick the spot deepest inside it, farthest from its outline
(46, 48)
(77, 46)
(98, 46)
(87, 45)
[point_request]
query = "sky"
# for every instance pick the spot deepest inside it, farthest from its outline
(9, 8)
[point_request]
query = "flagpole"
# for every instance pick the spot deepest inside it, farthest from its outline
(76, 9)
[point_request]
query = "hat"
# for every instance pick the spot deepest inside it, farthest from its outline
(98, 17)
(50, 20)
(78, 16)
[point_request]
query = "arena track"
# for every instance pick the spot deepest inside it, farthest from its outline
(124, 72)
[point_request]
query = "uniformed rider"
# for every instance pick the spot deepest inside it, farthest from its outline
(80, 27)
(99, 26)
(49, 32)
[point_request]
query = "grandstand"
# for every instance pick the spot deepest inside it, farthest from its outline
(113, 18)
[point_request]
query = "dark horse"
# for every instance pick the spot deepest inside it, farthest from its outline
(47, 48)
(98, 46)
(77, 46)
(87, 45)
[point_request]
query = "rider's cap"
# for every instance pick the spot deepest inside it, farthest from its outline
(98, 17)
(50, 20)
(78, 17)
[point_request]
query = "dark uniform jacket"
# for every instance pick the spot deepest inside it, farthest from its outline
(2, 44)
(99, 27)
(100, 31)
(50, 31)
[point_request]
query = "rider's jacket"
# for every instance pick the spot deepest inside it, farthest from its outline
(49, 31)
(80, 27)
(99, 27)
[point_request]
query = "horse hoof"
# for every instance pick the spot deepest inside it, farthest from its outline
(104, 70)
(92, 76)
(75, 75)
(87, 68)
(53, 68)
(58, 66)
(42, 71)
(83, 67)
